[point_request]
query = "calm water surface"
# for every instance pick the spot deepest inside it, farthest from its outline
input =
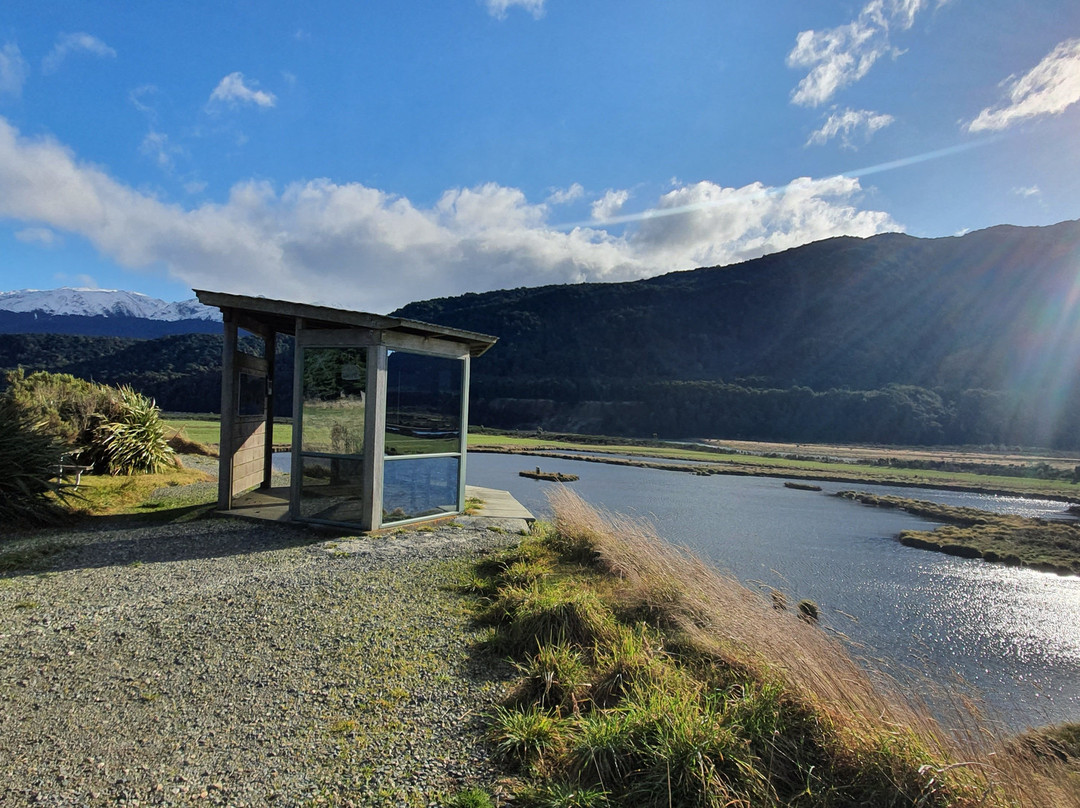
(1012, 633)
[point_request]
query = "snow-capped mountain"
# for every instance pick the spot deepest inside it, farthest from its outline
(104, 303)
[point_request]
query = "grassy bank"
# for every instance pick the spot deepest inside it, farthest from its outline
(971, 533)
(886, 468)
(649, 679)
(970, 471)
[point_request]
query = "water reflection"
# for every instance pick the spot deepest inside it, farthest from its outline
(1012, 633)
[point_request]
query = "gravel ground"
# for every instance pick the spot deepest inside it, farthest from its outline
(229, 662)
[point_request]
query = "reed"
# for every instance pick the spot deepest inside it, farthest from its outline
(672, 683)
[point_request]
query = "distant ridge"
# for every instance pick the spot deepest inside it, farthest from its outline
(102, 312)
(964, 340)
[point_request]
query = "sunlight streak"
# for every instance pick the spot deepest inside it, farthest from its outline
(764, 192)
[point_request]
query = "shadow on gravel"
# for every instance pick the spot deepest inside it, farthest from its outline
(121, 541)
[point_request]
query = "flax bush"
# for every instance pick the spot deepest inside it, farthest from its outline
(136, 440)
(29, 457)
(114, 431)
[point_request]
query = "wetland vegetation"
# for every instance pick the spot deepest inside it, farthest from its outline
(647, 678)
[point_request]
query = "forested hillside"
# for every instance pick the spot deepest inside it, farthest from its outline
(890, 339)
(971, 339)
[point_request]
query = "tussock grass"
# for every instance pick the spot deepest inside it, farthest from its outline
(651, 679)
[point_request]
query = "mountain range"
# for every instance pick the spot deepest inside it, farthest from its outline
(101, 312)
(973, 339)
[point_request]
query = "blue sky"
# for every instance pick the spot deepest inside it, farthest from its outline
(365, 154)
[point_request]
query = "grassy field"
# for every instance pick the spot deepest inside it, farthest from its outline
(833, 462)
(771, 460)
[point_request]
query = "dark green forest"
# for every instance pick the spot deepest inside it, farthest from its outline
(891, 339)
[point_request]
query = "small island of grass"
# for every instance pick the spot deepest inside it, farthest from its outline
(1052, 546)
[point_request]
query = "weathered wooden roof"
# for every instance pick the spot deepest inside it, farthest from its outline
(257, 313)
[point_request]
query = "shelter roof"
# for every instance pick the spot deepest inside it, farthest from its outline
(256, 314)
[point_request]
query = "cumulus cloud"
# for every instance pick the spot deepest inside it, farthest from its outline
(499, 8)
(564, 196)
(234, 90)
(717, 225)
(68, 44)
(840, 56)
(354, 246)
(1050, 88)
(847, 123)
(609, 205)
(13, 69)
(41, 236)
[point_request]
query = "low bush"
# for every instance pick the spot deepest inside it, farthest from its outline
(114, 431)
(135, 440)
(29, 457)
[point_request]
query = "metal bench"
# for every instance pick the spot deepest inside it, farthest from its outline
(65, 468)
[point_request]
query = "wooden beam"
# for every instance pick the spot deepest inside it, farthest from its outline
(228, 412)
(297, 466)
(374, 439)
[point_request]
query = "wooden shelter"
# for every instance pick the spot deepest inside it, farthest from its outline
(380, 412)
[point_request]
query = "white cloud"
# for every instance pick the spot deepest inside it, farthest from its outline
(1050, 88)
(1029, 191)
(79, 281)
(846, 123)
(67, 44)
(563, 196)
(609, 205)
(141, 98)
(13, 69)
(498, 8)
(41, 236)
(234, 90)
(353, 246)
(718, 225)
(838, 57)
(157, 146)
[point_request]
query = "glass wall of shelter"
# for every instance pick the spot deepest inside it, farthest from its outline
(378, 431)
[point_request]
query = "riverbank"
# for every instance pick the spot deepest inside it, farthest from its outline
(647, 678)
(1050, 546)
(225, 662)
(705, 463)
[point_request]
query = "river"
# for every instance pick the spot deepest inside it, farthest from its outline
(1013, 634)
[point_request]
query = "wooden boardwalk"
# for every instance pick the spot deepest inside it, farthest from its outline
(498, 504)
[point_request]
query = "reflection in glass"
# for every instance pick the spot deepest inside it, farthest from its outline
(251, 394)
(423, 404)
(330, 489)
(335, 382)
(422, 486)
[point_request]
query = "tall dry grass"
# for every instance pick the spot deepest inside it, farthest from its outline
(872, 718)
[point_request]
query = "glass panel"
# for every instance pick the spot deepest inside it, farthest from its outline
(330, 489)
(251, 395)
(423, 404)
(335, 381)
(422, 486)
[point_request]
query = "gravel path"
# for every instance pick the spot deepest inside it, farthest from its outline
(236, 663)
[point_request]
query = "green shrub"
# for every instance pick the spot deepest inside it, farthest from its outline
(116, 431)
(66, 407)
(136, 441)
(546, 612)
(556, 677)
(28, 456)
(470, 798)
(527, 736)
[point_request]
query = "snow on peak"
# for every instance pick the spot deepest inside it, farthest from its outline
(104, 303)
